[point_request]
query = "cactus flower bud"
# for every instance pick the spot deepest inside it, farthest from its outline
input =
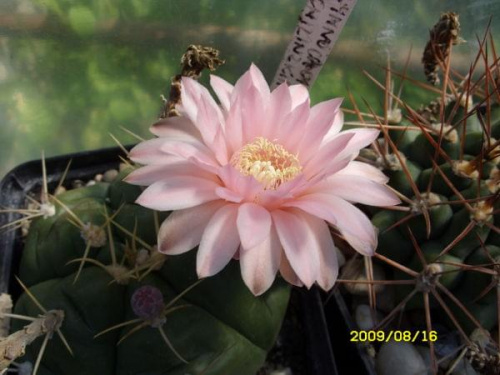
(147, 302)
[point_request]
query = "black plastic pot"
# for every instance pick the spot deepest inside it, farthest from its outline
(14, 187)
(352, 357)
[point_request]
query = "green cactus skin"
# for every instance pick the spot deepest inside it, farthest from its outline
(439, 186)
(476, 281)
(404, 139)
(391, 243)
(399, 181)
(448, 221)
(225, 329)
(421, 151)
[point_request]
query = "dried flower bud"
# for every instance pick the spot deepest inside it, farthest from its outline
(444, 34)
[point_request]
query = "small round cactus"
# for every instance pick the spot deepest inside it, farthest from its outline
(128, 309)
(442, 246)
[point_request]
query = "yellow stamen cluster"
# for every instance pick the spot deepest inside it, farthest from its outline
(268, 162)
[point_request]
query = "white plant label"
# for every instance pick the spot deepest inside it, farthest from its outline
(319, 27)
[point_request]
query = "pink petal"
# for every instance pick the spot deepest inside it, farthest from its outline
(252, 78)
(352, 223)
(280, 105)
(219, 242)
(315, 205)
(253, 114)
(355, 226)
(251, 91)
(205, 114)
(241, 87)
(229, 195)
(338, 123)
(193, 151)
(326, 156)
(288, 273)
(329, 268)
(359, 189)
(361, 138)
(149, 174)
(182, 230)
(334, 167)
(259, 264)
(190, 93)
(223, 90)
(150, 152)
(259, 82)
(356, 168)
(234, 127)
(293, 127)
(299, 94)
(177, 193)
(176, 127)
(211, 129)
(273, 199)
(254, 224)
(299, 244)
(246, 187)
(194, 94)
(321, 119)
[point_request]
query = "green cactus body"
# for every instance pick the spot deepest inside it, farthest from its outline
(422, 151)
(399, 181)
(463, 230)
(477, 286)
(392, 243)
(221, 328)
(404, 139)
(450, 275)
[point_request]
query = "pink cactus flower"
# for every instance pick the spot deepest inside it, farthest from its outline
(259, 178)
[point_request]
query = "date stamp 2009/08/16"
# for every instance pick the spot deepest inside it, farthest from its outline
(383, 336)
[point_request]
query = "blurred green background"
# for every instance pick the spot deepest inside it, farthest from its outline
(73, 71)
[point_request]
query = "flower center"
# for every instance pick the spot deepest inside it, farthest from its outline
(268, 162)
